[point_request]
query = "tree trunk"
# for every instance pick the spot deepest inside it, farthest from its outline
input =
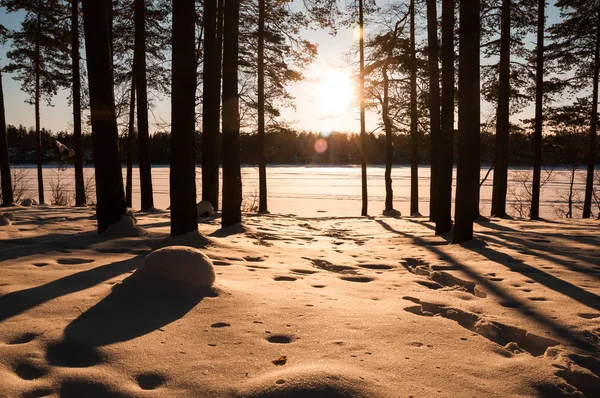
(262, 162)
(363, 133)
(589, 181)
(434, 106)
(232, 180)
(7, 192)
(78, 149)
(109, 179)
(220, 8)
(539, 98)
(502, 122)
(183, 135)
(414, 134)
(210, 107)
(468, 163)
(130, 143)
(38, 134)
(446, 149)
(142, 107)
(387, 123)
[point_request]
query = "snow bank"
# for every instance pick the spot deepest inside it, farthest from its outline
(204, 208)
(181, 264)
(29, 202)
(126, 227)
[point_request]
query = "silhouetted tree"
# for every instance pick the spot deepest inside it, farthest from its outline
(110, 197)
(77, 148)
(39, 58)
(444, 199)
(183, 120)
(468, 158)
(414, 134)
(232, 180)
(211, 100)
(7, 192)
(130, 145)
(262, 161)
(539, 99)
(434, 105)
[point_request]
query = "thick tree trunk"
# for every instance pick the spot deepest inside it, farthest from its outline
(589, 181)
(414, 134)
(434, 106)
(446, 149)
(363, 133)
(502, 122)
(183, 135)
(78, 149)
(232, 180)
(210, 107)
(539, 98)
(7, 192)
(468, 163)
(38, 133)
(262, 161)
(130, 143)
(110, 198)
(142, 107)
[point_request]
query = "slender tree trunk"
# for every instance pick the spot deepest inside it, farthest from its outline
(446, 149)
(130, 143)
(434, 106)
(570, 199)
(502, 122)
(38, 133)
(142, 106)
(79, 182)
(468, 164)
(210, 107)
(589, 181)
(220, 8)
(110, 197)
(387, 123)
(183, 135)
(363, 133)
(7, 192)
(414, 134)
(262, 161)
(232, 179)
(539, 99)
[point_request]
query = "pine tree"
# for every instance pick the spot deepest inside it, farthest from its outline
(434, 106)
(110, 204)
(539, 97)
(363, 154)
(76, 76)
(39, 58)
(6, 187)
(414, 134)
(262, 161)
(183, 120)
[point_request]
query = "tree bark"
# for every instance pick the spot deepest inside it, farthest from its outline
(262, 162)
(78, 149)
(539, 99)
(387, 123)
(110, 197)
(147, 201)
(38, 134)
(183, 135)
(414, 134)
(130, 142)
(502, 122)
(434, 106)
(591, 161)
(210, 107)
(446, 149)
(363, 133)
(468, 163)
(232, 180)
(7, 192)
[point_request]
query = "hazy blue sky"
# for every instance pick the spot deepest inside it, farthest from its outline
(310, 114)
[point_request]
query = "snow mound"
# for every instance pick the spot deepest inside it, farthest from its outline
(29, 202)
(125, 228)
(204, 208)
(181, 264)
(311, 381)
(5, 220)
(131, 214)
(392, 213)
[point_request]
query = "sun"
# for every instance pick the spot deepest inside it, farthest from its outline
(334, 93)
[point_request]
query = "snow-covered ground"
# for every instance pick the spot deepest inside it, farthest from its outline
(301, 306)
(335, 191)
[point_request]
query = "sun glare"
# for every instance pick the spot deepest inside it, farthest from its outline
(334, 93)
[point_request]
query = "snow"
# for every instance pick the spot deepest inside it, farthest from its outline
(5, 220)
(29, 202)
(204, 209)
(366, 307)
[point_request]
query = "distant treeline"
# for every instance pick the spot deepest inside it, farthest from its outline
(286, 146)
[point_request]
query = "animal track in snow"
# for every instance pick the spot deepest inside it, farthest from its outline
(285, 278)
(150, 381)
(75, 261)
(29, 371)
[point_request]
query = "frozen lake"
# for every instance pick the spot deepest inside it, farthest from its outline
(330, 191)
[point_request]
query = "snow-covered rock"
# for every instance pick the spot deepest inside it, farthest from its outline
(125, 228)
(131, 214)
(29, 202)
(392, 213)
(204, 208)
(181, 264)
(5, 220)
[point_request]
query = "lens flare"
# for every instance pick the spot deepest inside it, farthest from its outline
(320, 145)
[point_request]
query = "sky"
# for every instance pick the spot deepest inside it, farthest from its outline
(322, 101)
